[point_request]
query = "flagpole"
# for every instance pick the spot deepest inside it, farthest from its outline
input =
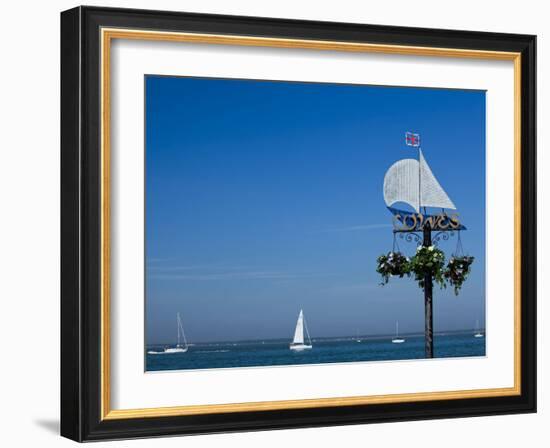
(428, 280)
(419, 181)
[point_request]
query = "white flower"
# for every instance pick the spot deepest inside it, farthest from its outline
(431, 248)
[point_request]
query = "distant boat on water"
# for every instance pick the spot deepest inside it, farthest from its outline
(357, 338)
(179, 348)
(397, 339)
(299, 341)
(478, 333)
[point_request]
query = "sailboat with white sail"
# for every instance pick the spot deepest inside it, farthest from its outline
(397, 339)
(180, 347)
(300, 342)
(478, 333)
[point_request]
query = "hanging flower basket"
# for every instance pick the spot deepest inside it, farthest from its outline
(394, 263)
(458, 270)
(428, 261)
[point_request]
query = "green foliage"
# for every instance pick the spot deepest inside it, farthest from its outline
(394, 263)
(458, 270)
(427, 261)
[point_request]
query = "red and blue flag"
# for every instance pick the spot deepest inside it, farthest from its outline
(412, 139)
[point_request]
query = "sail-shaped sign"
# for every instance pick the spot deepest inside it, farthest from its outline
(412, 181)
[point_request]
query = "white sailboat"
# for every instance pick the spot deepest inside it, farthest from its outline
(478, 333)
(397, 339)
(411, 181)
(179, 348)
(298, 343)
(357, 338)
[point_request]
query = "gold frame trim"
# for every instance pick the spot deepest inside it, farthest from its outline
(107, 35)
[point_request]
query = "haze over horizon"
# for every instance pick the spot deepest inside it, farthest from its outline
(264, 198)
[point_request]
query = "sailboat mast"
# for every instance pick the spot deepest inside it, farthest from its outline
(179, 324)
(307, 331)
(419, 182)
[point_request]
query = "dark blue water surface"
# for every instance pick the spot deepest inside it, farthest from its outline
(277, 353)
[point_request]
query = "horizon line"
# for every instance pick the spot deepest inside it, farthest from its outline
(364, 336)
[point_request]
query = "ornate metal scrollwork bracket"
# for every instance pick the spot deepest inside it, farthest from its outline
(444, 235)
(409, 237)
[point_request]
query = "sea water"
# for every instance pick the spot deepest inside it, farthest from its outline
(327, 350)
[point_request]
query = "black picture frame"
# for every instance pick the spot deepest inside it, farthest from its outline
(81, 224)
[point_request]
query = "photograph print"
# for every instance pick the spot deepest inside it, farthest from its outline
(293, 223)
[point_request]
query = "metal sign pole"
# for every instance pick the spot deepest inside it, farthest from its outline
(428, 300)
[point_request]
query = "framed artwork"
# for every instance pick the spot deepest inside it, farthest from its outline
(275, 224)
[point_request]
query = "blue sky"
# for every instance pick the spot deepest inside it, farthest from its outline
(266, 197)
